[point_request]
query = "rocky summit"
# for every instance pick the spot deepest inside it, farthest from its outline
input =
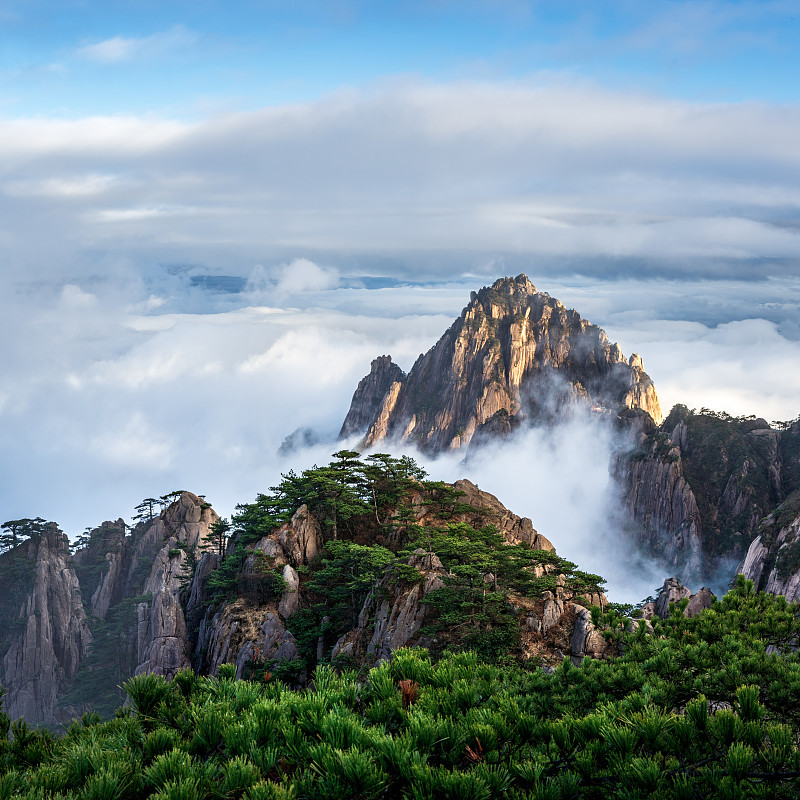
(342, 564)
(513, 354)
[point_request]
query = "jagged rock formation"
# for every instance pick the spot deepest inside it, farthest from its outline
(673, 591)
(661, 509)
(370, 393)
(772, 561)
(240, 631)
(49, 634)
(394, 613)
(391, 619)
(128, 604)
(161, 644)
(514, 353)
(696, 488)
(86, 622)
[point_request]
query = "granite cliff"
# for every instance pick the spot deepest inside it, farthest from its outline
(168, 596)
(691, 489)
(76, 625)
(697, 487)
(513, 354)
(251, 630)
(46, 632)
(772, 561)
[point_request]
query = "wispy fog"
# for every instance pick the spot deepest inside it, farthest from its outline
(126, 385)
(559, 477)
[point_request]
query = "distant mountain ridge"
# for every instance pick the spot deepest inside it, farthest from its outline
(514, 353)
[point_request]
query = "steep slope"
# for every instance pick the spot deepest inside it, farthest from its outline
(74, 627)
(386, 580)
(772, 561)
(514, 353)
(131, 586)
(696, 488)
(47, 634)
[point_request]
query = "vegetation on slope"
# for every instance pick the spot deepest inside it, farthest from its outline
(703, 707)
(374, 514)
(719, 446)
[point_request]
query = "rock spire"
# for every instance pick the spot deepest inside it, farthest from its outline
(513, 353)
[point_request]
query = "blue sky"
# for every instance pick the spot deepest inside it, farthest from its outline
(188, 59)
(638, 160)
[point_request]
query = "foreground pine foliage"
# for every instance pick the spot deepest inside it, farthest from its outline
(702, 708)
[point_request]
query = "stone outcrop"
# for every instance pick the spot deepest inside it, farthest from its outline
(660, 509)
(516, 529)
(370, 394)
(772, 561)
(513, 354)
(394, 613)
(250, 629)
(392, 616)
(152, 564)
(673, 591)
(49, 634)
(68, 597)
(695, 489)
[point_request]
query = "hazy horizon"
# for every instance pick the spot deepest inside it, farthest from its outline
(213, 218)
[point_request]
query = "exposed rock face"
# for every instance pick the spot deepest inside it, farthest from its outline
(51, 634)
(43, 654)
(248, 630)
(370, 394)
(673, 591)
(772, 561)
(696, 488)
(162, 646)
(661, 508)
(394, 613)
(517, 530)
(513, 353)
(391, 618)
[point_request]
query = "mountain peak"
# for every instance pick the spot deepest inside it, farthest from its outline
(513, 353)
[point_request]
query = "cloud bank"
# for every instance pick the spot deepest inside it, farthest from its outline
(178, 297)
(544, 165)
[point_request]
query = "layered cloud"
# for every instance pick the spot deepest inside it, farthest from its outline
(112, 391)
(557, 168)
(178, 297)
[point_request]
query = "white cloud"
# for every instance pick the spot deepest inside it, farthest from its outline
(557, 169)
(139, 214)
(78, 186)
(135, 445)
(302, 275)
(118, 49)
(73, 297)
(121, 379)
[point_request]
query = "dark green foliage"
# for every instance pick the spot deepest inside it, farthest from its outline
(699, 709)
(218, 534)
(16, 531)
(719, 446)
(473, 609)
(110, 661)
(369, 516)
(351, 498)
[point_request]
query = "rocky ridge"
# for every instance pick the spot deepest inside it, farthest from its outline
(696, 488)
(513, 354)
(772, 561)
(50, 633)
(393, 615)
(145, 596)
(117, 597)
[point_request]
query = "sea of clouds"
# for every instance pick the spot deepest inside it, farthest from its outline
(111, 392)
(178, 297)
